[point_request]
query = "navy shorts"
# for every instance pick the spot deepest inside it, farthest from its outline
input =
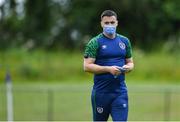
(105, 104)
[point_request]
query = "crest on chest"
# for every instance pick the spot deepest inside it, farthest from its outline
(122, 45)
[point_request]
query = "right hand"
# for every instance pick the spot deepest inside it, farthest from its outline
(114, 70)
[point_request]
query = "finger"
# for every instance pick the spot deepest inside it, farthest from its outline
(125, 66)
(118, 72)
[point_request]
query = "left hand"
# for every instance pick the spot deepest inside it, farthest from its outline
(127, 68)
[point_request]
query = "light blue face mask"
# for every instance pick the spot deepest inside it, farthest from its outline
(109, 29)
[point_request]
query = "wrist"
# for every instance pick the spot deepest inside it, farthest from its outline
(107, 68)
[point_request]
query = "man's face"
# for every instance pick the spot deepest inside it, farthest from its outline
(109, 20)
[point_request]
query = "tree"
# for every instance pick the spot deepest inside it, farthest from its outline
(53, 24)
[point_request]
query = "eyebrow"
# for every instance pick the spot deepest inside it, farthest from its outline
(110, 22)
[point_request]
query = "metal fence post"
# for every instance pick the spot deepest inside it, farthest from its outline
(50, 105)
(167, 105)
(9, 95)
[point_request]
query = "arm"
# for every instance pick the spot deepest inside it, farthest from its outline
(90, 57)
(89, 66)
(129, 64)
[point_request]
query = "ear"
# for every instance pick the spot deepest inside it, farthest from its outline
(117, 23)
(102, 24)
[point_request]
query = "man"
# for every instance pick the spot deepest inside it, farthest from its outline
(109, 56)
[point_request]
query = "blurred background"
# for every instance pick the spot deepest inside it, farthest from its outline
(41, 51)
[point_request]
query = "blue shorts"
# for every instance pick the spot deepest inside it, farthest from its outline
(105, 104)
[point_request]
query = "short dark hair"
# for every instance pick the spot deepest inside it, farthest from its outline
(108, 13)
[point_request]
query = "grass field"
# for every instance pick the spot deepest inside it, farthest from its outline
(65, 91)
(72, 102)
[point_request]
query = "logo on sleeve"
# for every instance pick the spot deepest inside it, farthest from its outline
(100, 110)
(122, 45)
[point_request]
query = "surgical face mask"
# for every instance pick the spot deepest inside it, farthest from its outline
(109, 29)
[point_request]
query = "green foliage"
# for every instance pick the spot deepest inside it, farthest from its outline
(160, 66)
(53, 24)
(33, 66)
(40, 65)
(172, 9)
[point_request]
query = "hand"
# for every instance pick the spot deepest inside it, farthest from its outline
(114, 70)
(127, 68)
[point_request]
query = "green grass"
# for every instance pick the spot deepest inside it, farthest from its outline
(66, 66)
(40, 65)
(62, 72)
(72, 102)
(159, 66)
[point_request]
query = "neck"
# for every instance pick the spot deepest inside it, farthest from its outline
(110, 36)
